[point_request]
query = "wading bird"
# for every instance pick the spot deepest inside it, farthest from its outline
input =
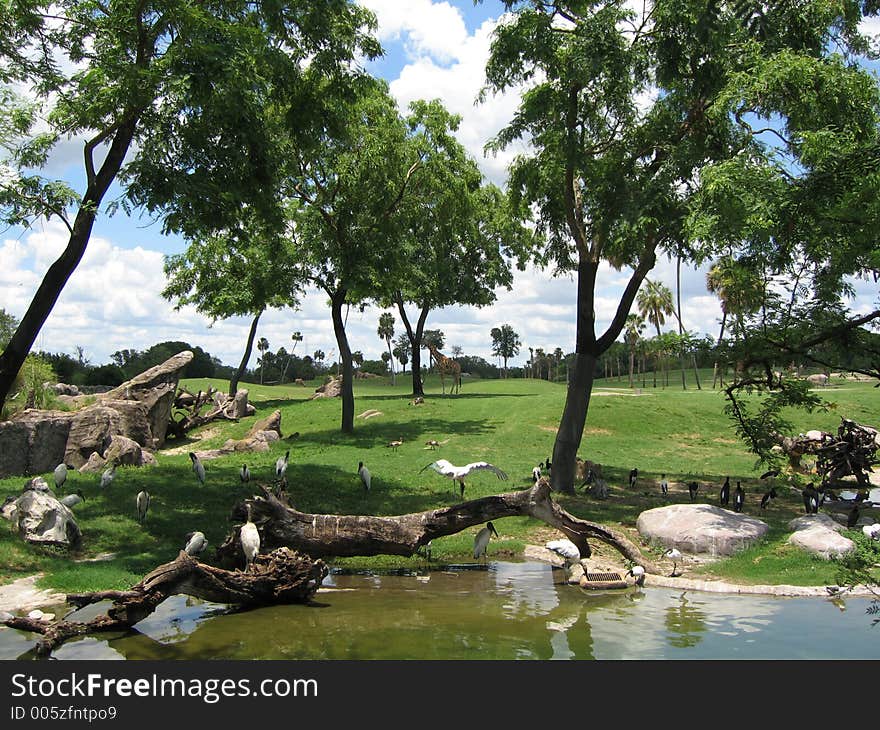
(693, 488)
(565, 549)
(664, 485)
(143, 504)
(244, 474)
(724, 498)
(633, 476)
(458, 473)
(281, 465)
(765, 500)
(394, 444)
(71, 500)
(60, 474)
(536, 474)
(198, 467)
(481, 541)
(638, 573)
(364, 474)
(108, 476)
(249, 537)
(739, 496)
(872, 532)
(195, 543)
(674, 554)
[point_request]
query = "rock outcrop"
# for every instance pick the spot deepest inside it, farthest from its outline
(700, 529)
(39, 517)
(139, 410)
(261, 434)
(331, 389)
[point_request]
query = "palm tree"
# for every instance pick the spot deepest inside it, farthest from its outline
(655, 302)
(386, 332)
(262, 346)
(318, 356)
(296, 337)
(633, 329)
(505, 343)
(557, 354)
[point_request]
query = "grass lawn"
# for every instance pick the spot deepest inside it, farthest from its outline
(510, 423)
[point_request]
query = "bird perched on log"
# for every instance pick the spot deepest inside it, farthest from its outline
(765, 500)
(638, 574)
(664, 485)
(633, 476)
(693, 488)
(244, 474)
(71, 500)
(481, 541)
(565, 549)
(458, 473)
(195, 543)
(60, 474)
(739, 497)
(108, 476)
(143, 504)
(281, 465)
(249, 536)
(674, 554)
(364, 474)
(724, 498)
(198, 467)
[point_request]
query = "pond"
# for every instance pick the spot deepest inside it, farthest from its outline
(503, 610)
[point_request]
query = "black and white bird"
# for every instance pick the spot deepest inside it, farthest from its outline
(724, 498)
(249, 536)
(108, 476)
(143, 504)
(281, 465)
(565, 549)
(664, 485)
(765, 500)
(244, 474)
(536, 474)
(71, 500)
(60, 474)
(770, 473)
(458, 473)
(546, 466)
(198, 467)
(739, 496)
(872, 532)
(195, 543)
(693, 488)
(674, 554)
(364, 474)
(633, 476)
(481, 541)
(638, 574)
(811, 499)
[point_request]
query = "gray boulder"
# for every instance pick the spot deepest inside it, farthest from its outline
(39, 517)
(700, 529)
(805, 522)
(822, 541)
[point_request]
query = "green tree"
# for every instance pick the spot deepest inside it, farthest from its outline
(181, 87)
(505, 343)
(635, 326)
(296, 337)
(386, 332)
(655, 302)
(8, 325)
(263, 347)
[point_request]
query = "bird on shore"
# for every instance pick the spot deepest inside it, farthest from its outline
(364, 474)
(71, 500)
(664, 485)
(108, 476)
(638, 573)
(60, 474)
(565, 549)
(724, 498)
(458, 473)
(693, 488)
(198, 468)
(674, 554)
(633, 476)
(853, 517)
(195, 543)
(281, 465)
(143, 504)
(765, 500)
(739, 497)
(481, 541)
(244, 474)
(249, 536)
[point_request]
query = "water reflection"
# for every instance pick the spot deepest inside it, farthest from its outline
(500, 611)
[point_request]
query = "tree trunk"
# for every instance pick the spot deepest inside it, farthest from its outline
(415, 341)
(337, 299)
(61, 270)
(391, 361)
(715, 372)
(248, 349)
(571, 427)
(632, 357)
(678, 316)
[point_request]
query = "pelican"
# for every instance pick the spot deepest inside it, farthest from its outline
(458, 473)
(108, 476)
(281, 465)
(71, 500)
(638, 573)
(674, 554)
(250, 541)
(364, 474)
(245, 474)
(481, 541)
(739, 496)
(61, 474)
(143, 504)
(198, 467)
(195, 543)
(566, 549)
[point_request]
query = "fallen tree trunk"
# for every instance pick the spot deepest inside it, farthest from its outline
(282, 576)
(280, 524)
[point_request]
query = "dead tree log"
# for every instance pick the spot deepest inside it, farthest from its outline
(280, 577)
(186, 412)
(281, 524)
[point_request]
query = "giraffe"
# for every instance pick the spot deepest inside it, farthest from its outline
(446, 366)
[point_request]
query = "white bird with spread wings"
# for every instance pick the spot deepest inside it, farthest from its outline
(458, 473)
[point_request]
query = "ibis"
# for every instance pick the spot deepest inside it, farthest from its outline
(250, 541)
(664, 485)
(195, 543)
(565, 549)
(638, 574)
(481, 541)
(693, 488)
(633, 475)
(108, 476)
(244, 474)
(739, 497)
(60, 474)
(364, 474)
(281, 465)
(674, 554)
(71, 500)
(198, 467)
(143, 504)
(458, 473)
(724, 498)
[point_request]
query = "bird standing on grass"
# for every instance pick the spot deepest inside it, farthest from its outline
(724, 498)
(364, 474)
(60, 474)
(108, 476)
(739, 497)
(674, 554)
(198, 467)
(565, 549)
(633, 476)
(664, 485)
(195, 543)
(765, 500)
(281, 465)
(458, 473)
(693, 488)
(249, 536)
(143, 504)
(536, 474)
(394, 444)
(245, 474)
(481, 541)
(811, 499)
(872, 532)
(71, 500)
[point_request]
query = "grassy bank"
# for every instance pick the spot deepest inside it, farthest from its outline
(510, 423)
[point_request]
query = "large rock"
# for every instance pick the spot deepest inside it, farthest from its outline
(700, 528)
(805, 522)
(261, 434)
(37, 441)
(822, 541)
(39, 517)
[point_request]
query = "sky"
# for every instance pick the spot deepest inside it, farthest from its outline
(432, 50)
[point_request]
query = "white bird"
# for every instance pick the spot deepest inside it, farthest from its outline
(108, 476)
(458, 473)
(143, 504)
(38, 615)
(481, 541)
(61, 474)
(674, 554)
(566, 549)
(198, 467)
(71, 500)
(638, 573)
(364, 474)
(245, 474)
(281, 465)
(250, 541)
(195, 543)
(872, 532)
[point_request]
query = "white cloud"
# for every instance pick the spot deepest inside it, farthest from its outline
(424, 27)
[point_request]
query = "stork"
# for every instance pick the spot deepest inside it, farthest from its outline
(693, 488)
(664, 485)
(195, 543)
(244, 474)
(60, 474)
(198, 467)
(739, 497)
(281, 465)
(249, 537)
(71, 500)
(108, 476)
(458, 473)
(364, 474)
(143, 504)
(565, 549)
(724, 498)
(765, 500)
(536, 474)
(633, 475)
(481, 541)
